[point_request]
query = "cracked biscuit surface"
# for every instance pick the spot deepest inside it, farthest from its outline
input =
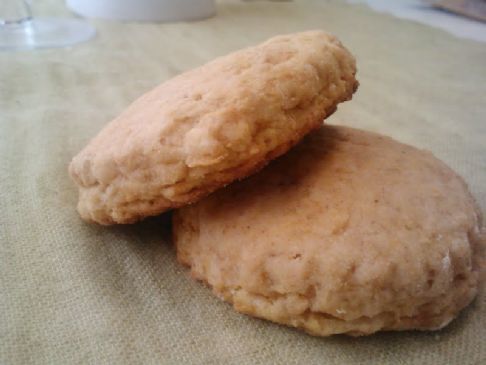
(210, 126)
(350, 232)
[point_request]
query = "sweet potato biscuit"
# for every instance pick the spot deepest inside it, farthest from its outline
(350, 232)
(210, 126)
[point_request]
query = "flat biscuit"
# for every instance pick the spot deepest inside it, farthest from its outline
(210, 126)
(350, 232)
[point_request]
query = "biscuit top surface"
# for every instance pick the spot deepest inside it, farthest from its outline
(359, 229)
(185, 137)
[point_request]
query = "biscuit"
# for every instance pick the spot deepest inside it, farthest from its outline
(350, 232)
(210, 126)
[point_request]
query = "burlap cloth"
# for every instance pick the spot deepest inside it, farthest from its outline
(74, 293)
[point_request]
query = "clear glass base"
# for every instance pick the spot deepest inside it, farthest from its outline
(44, 33)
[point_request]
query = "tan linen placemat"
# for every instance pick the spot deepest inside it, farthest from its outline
(74, 293)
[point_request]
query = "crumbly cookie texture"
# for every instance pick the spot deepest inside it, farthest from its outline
(207, 127)
(350, 232)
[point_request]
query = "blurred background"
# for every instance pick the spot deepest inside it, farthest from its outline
(27, 24)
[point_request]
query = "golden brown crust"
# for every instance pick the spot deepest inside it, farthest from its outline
(350, 232)
(210, 126)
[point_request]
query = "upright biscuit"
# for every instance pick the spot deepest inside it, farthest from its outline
(350, 232)
(210, 126)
